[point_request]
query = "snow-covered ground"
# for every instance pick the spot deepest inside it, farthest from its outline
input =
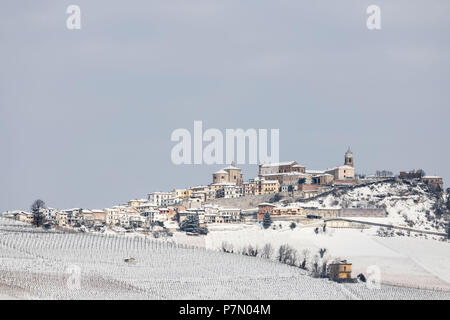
(38, 264)
(405, 261)
(407, 205)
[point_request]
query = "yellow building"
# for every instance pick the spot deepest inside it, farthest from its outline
(342, 172)
(136, 202)
(288, 210)
(269, 186)
(183, 193)
(62, 218)
(25, 217)
(340, 271)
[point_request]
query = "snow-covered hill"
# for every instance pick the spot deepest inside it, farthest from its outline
(39, 264)
(407, 204)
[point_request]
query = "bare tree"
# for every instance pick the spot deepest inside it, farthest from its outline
(287, 255)
(420, 173)
(448, 199)
(322, 252)
(305, 256)
(315, 265)
(227, 247)
(37, 210)
(324, 271)
(250, 251)
(267, 251)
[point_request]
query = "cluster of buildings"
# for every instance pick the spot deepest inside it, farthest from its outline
(281, 177)
(301, 211)
(166, 207)
(138, 213)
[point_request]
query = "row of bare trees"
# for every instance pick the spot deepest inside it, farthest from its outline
(316, 264)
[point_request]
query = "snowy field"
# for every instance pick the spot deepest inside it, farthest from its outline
(403, 261)
(36, 264)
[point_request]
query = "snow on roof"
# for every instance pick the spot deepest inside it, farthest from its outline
(432, 177)
(292, 173)
(315, 171)
(266, 204)
(224, 184)
(160, 192)
(20, 212)
(169, 224)
(221, 171)
(14, 212)
(147, 204)
(277, 164)
(269, 181)
(323, 175)
(340, 167)
(231, 167)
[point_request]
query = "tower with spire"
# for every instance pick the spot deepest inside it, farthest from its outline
(349, 158)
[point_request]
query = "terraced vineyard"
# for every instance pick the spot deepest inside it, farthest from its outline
(38, 264)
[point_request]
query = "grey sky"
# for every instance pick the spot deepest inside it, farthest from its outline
(86, 116)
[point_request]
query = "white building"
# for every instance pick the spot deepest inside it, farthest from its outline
(171, 201)
(111, 216)
(342, 172)
(146, 206)
(199, 212)
(228, 190)
(227, 215)
(158, 197)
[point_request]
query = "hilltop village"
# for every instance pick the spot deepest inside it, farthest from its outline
(211, 203)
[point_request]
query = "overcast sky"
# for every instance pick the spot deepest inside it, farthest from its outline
(86, 115)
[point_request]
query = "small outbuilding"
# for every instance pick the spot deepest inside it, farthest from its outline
(340, 271)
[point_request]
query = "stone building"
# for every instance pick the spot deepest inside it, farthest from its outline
(435, 183)
(280, 167)
(230, 174)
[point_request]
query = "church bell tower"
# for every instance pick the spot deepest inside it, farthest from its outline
(349, 158)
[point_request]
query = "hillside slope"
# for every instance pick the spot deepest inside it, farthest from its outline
(407, 204)
(40, 264)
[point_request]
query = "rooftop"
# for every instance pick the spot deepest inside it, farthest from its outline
(221, 171)
(278, 164)
(231, 167)
(340, 167)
